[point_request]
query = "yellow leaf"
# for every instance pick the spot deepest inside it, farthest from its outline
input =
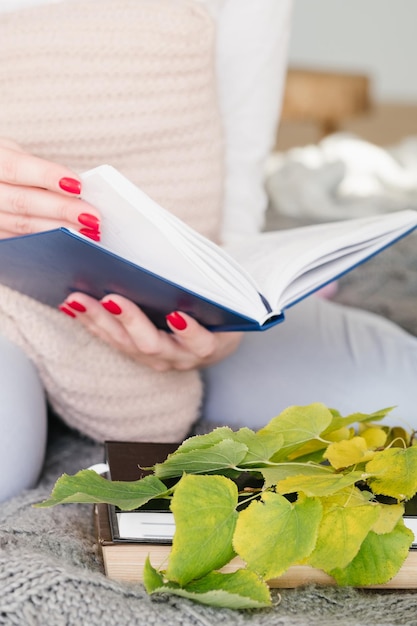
(389, 514)
(350, 496)
(341, 534)
(347, 453)
(375, 437)
(273, 534)
(315, 445)
(340, 434)
(380, 557)
(393, 472)
(398, 437)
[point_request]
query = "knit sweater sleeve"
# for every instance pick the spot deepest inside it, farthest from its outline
(134, 87)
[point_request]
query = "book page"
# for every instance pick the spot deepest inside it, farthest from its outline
(314, 255)
(136, 228)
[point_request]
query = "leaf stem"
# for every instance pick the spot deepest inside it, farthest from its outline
(267, 464)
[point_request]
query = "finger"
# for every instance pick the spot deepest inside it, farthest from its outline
(191, 335)
(20, 168)
(107, 326)
(27, 209)
(157, 348)
(94, 317)
(148, 339)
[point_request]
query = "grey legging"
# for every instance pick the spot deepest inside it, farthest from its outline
(349, 359)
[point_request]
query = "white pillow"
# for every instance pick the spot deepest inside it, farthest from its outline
(252, 45)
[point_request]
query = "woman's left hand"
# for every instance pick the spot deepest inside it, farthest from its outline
(119, 322)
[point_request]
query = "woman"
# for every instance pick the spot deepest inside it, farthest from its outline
(167, 91)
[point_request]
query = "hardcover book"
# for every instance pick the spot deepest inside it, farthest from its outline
(151, 257)
(154, 522)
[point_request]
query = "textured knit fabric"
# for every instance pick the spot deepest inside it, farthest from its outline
(51, 574)
(126, 82)
(130, 83)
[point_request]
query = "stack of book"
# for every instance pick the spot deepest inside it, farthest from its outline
(127, 538)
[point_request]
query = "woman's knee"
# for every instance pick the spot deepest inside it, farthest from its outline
(23, 421)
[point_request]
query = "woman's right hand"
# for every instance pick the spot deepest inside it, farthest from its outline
(38, 195)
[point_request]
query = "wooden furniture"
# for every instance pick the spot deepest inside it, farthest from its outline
(325, 98)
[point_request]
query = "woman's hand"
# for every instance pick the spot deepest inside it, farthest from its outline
(124, 326)
(37, 195)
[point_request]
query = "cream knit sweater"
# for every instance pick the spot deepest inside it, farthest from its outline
(130, 83)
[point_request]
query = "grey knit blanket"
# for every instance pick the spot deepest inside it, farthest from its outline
(50, 569)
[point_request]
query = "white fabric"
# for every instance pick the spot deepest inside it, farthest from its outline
(252, 47)
(343, 176)
(252, 56)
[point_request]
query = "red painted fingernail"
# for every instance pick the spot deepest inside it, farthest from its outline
(177, 321)
(89, 220)
(71, 185)
(67, 311)
(112, 307)
(77, 306)
(92, 234)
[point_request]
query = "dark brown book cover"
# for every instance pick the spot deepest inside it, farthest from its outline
(127, 458)
(127, 461)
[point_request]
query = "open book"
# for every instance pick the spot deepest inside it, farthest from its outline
(157, 261)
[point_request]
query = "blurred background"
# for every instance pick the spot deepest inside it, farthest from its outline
(347, 143)
(352, 67)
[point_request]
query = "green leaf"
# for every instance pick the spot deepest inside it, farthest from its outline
(152, 579)
(89, 487)
(242, 589)
(394, 472)
(204, 509)
(261, 447)
(274, 534)
(313, 450)
(398, 437)
(341, 533)
(379, 559)
(355, 418)
(204, 441)
(239, 590)
(319, 484)
(298, 424)
(280, 471)
(226, 454)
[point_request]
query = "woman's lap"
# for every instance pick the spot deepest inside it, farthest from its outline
(348, 359)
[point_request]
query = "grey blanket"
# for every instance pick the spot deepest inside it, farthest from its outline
(50, 569)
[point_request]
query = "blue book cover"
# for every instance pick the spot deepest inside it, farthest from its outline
(151, 257)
